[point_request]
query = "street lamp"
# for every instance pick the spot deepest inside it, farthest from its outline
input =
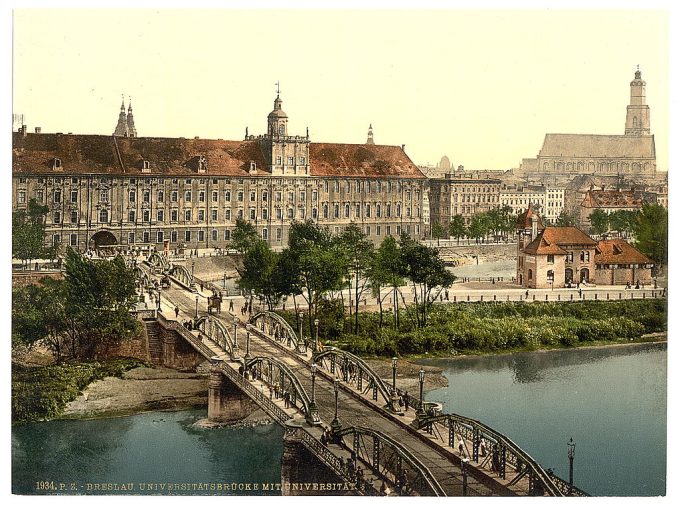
(224, 282)
(571, 446)
(420, 413)
(236, 321)
(196, 315)
(248, 327)
(463, 468)
(335, 424)
(394, 374)
(193, 264)
(300, 316)
(313, 369)
(316, 333)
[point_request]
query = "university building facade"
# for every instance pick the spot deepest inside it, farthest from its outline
(129, 191)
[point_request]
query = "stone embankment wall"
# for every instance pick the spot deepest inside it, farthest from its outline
(21, 279)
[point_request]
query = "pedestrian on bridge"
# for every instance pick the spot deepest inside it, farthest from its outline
(461, 446)
(176, 312)
(406, 400)
(286, 398)
(231, 305)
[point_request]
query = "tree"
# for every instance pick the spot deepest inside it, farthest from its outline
(622, 221)
(98, 296)
(28, 232)
(438, 231)
(244, 236)
(358, 251)
(427, 271)
(457, 227)
(599, 221)
(651, 232)
(318, 264)
(564, 219)
(387, 270)
(258, 275)
(480, 226)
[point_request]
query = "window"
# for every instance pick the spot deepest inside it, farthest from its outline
(291, 196)
(389, 210)
(357, 210)
(265, 234)
(146, 216)
(74, 217)
(104, 216)
(174, 196)
(551, 259)
(131, 237)
(57, 196)
(213, 214)
(187, 236)
(301, 213)
(227, 196)
(239, 196)
(398, 210)
(388, 230)
(173, 236)
(315, 213)
(56, 217)
(368, 210)
(587, 256)
(253, 196)
(265, 213)
(227, 235)
(56, 239)
(159, 237)
(325, 210)
(201, 196)
(336, 211)
(201, 215)
(278, 160)
(279, 234)
(378, 211)
(408, 211)
(377, 230)
(530, 274)
(239, 215)
(161, 196)
(187, 215)
(201, 235)
(290, 213)
(146, 197)
(315, 195)
(252, 214)
(213, 235)
(173, 215)
(227, 214)
(21, 198)
(160, 215)
(145, 237)
(303, 161)
(346, 210)
(265, 195)
(551, 276)
(214, 196)
(279, 196)
(74, 196)
(188, 180)
(302, 195)
(73, 240)
(187, 196)
(291, 161)
(131, 216)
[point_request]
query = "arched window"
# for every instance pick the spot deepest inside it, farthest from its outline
(530, 274)
(346, 210)
(282, 130)
(325, 210)
(551, 276)
(635, 121)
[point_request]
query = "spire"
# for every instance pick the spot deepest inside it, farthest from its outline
(637, 114)
(131, 130)
(122, 126)
(369, 140)
(122, 102)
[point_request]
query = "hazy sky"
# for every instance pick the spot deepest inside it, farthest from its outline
(482, 87)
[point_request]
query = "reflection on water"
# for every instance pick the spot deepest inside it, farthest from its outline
(148, 448)
(612, 401)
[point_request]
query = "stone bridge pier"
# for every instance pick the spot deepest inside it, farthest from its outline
(226, 402)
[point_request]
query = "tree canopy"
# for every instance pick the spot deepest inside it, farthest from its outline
(28, 232)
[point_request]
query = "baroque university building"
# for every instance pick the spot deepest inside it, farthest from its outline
(129, 191)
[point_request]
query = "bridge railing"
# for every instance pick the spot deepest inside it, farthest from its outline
(565, 488)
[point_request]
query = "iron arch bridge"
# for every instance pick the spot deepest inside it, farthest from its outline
(275, 326)
(389, 459)
(489, 448)
(141, 277)
(158, 262)
(219, 333)
(355, 372)
(182, 275)
(274, 372)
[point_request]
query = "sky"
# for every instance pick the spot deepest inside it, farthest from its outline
(482, 87)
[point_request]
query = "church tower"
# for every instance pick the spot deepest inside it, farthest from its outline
(369, 140)
(637, 114)
(121, 128)
(277, 121)
(131, 130)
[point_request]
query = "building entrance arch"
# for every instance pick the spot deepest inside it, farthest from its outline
(568, 275)
(585, 275)
(103, 238)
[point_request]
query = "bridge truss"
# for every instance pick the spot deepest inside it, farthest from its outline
(218, 333)
(158, 262)
(278, 328)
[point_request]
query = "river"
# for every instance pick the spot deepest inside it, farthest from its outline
(610, 400)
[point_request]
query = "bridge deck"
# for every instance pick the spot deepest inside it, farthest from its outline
(354, 409)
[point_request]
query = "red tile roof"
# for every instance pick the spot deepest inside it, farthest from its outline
(567, 235)
(524, 219)
(611, 199)
(618, 252)
(376, 161)
(541, 245)
(98, 154)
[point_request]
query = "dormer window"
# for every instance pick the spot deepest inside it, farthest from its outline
(146, 167)
(202, 164)
(253, 166)
(56, 164)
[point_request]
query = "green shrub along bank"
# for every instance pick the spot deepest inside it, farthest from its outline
(480, 327)
(41, 393)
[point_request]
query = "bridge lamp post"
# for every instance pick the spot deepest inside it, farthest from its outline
(316, 334)
(196, 315)
(395, 398)
(236, 321)
(420, 413)
(248, 327)
(571, 446)
(335, 424)
(300, 316)
(463, 468)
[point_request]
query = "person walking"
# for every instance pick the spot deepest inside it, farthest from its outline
(176, 312)
(231, 305)
(406, 401)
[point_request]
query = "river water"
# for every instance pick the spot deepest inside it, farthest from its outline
(611, 401)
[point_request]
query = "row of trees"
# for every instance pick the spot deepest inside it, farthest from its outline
(648, 226)
(498, 222)
(28, 233)
(80, 316)
(319, 266)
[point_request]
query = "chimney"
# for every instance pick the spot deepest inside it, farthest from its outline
(24, 130)
(402, 147)
(534, 227)
(38, 130)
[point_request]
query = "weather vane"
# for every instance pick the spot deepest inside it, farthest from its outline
(278, 90)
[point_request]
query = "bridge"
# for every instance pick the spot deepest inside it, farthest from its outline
(343, 424)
